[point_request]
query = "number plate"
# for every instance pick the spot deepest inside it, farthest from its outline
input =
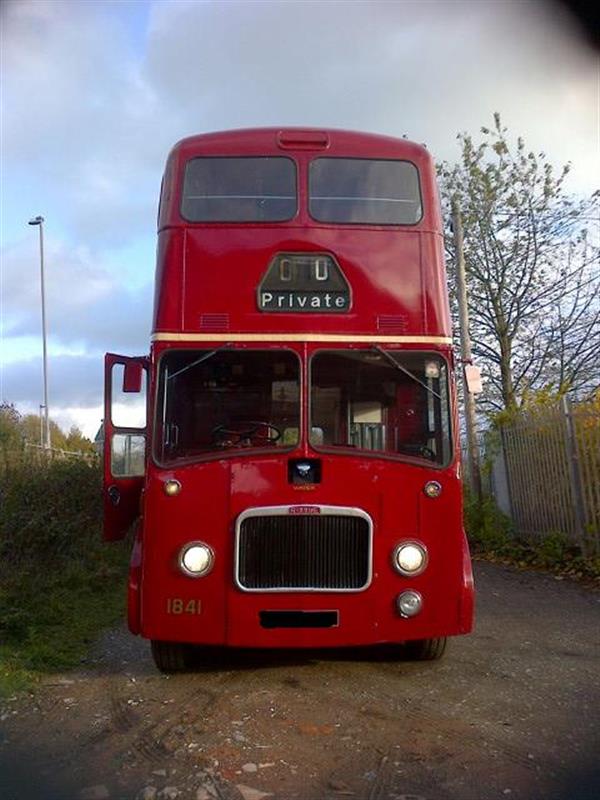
(179, 605)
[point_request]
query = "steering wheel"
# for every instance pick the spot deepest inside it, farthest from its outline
(418, 450)
(246, 434)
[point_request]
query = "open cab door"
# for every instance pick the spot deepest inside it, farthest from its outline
(125, 421)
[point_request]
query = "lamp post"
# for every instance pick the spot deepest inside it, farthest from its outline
(39, 221)
(41, 425)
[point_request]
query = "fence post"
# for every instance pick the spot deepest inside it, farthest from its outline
(507, 475)
(575, 476)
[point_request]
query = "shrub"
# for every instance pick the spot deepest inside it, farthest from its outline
(59, 583)
(49, 512)
(487, 527)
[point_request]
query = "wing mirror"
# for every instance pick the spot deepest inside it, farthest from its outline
(132, 377)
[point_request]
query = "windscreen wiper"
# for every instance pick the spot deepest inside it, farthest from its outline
(398, 366)
(200, 360)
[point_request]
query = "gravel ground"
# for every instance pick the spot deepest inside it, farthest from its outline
(512, 711)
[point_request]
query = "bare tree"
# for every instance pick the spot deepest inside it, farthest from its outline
(531, 255)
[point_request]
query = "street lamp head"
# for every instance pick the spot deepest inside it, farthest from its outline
(36, 221)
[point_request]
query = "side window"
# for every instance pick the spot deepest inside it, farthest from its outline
(127, 455)
(128, 417)
(127, 409)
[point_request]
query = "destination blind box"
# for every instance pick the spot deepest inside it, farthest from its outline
(304, 282)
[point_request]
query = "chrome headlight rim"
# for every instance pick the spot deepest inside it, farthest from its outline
(410, 543)
(191, 573)
(432, 489)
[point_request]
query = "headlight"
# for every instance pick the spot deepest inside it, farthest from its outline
(409, 603)
(410, 558)
(196, 559)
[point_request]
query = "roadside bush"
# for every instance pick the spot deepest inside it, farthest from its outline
(49, 512)
(60, 584)
(491, 535)
(554, 548)
(487, 527)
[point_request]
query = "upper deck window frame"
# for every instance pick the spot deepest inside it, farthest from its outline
(371, 223)
(242, 221)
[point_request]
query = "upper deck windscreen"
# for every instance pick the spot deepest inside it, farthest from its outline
(219, 189)
(364, 191)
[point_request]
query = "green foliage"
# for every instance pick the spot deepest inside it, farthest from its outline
(48, 508)
(16, 431)
(59, 583)
(492, 537)
(554, 548)
(487, 527)
(10, 420)
(531, 267)
(48, 619)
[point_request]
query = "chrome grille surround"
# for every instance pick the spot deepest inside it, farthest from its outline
(292, 511)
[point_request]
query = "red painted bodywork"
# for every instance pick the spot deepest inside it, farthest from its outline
(206, 282)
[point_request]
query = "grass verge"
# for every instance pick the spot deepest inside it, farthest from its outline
(60, 585)
(49, 619)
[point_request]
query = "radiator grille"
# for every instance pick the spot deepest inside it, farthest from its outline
(304, 552)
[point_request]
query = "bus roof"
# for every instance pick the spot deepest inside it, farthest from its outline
(275, 140)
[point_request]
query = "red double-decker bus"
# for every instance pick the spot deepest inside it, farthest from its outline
(297, 473)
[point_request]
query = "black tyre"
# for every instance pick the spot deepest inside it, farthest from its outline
(171, 656)
(426, 649)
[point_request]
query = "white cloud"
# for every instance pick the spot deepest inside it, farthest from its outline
(72, 380)
(78, 118)
(91, 115)
(86, 304)
(86, 419)
(425, 69)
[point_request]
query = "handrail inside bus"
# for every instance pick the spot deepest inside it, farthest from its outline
(205, 357)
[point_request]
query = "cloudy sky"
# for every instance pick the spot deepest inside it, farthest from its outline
(95, 93)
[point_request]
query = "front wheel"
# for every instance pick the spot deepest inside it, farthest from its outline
(426, 649)
(171, 656)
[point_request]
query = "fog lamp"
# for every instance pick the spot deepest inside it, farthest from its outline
(172, 487)
(409, 603)
(196, 559)
(432, 489)
(410, 558)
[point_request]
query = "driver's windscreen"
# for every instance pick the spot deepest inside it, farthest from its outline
(226, 401)
(394, 402)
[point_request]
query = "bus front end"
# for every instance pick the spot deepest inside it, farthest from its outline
(303, 496)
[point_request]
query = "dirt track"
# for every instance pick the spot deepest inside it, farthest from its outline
(512, 711)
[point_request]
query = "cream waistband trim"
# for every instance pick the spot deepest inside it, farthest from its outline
(297, 337)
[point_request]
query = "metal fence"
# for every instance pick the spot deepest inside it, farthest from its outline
(545, 473)
(28, 453)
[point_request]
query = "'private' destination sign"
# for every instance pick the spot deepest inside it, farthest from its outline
(304, 282)
(303, 301)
